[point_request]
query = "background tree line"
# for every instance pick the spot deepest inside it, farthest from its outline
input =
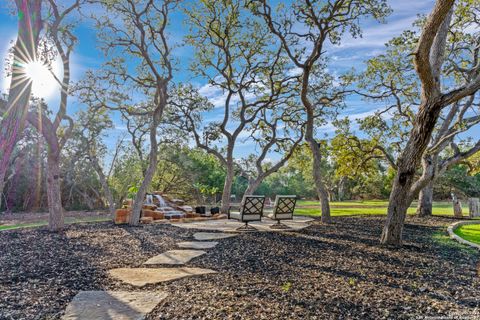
(192, 174)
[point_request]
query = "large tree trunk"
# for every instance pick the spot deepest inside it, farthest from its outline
(473, 207)
(428, 60)
(25, 49)
(39, 168)
(150, 172)
(253, 185)
(54, 190)
(142, 191)
(227, 188)
(2, 185)
(55, 209)
(320, 187)
(86, 198)
(103, 181)
(341, 189)
(401, 196)
(397, 208)
(457, 207)
(425, 201)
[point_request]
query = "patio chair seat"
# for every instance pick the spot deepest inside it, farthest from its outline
(251, 209)
(280, 216)
(240, 217)
(283, 210)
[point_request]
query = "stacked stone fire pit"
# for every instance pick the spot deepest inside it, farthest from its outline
(160, 207)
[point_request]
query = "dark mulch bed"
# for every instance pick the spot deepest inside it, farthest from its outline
(334, 271)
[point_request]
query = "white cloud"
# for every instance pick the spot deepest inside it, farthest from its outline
(120, 128)
(362, 115)
(376, 36)
(294, 72)
(217, 96)
(411, 7)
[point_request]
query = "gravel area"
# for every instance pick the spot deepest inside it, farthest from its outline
(322, 272)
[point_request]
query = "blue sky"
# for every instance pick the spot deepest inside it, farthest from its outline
(351, 53)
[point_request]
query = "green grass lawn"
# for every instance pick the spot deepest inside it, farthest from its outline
(22, 225)
(68, 220)
(347, 208)
(469, 232)
(304, 207)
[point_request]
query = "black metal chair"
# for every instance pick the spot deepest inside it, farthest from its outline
(283, 210)
(251, 209)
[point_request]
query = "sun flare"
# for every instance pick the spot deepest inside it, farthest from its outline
(34, 70)
(43, 82)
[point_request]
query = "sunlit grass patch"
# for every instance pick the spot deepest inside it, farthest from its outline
(469, 232)
(22, 225)
(447, 243)
(68, 220)
(367, 207)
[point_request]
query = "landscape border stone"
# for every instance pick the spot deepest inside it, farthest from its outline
(451, 231)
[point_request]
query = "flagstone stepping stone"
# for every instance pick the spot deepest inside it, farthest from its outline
(107, 305)
(230, 226)
(175, 257)
(141, 276)
(197, 244)
(212, 235)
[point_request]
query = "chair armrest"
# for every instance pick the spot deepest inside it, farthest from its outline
(230, 209)
(237, 207)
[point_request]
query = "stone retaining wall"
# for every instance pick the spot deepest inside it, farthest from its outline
(451, 231)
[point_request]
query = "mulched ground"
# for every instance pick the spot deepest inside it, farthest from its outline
(335, 271)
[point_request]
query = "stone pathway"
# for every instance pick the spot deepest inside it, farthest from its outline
(212, 235)
(121, 305)
(197, 244)
(118, 305)
(140, 277)
(224, 225)
(175, 257)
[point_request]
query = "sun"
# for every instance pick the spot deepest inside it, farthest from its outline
(43, 82)
(33, 70)
(37, 72)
